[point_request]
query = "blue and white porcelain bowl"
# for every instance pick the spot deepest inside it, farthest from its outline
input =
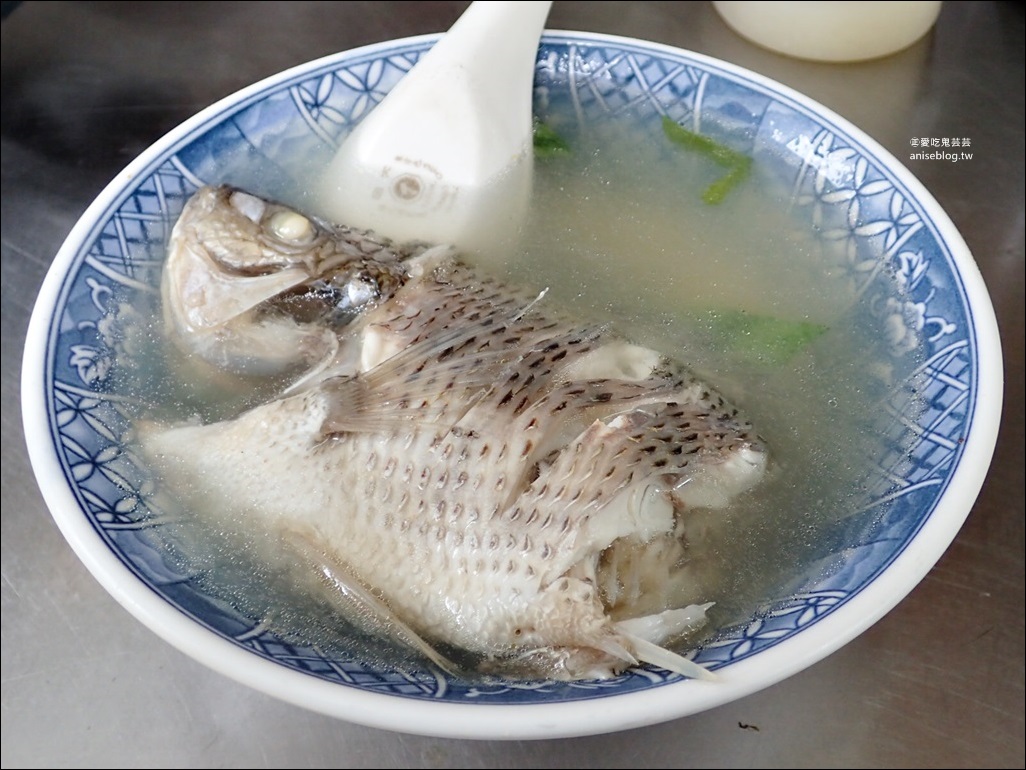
(875, 221)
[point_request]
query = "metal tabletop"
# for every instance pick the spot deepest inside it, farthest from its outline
(88, 85)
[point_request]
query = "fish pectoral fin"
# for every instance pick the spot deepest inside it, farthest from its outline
(431, 382)
(356, 405)
(436, 380)
(358, 604)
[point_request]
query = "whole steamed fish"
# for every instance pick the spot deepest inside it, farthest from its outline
(459, 466)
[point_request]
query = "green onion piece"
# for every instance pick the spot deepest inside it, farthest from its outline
(762, 338)
(738, 164)
(547, 142)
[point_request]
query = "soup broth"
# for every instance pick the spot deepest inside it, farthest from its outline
(618, 232)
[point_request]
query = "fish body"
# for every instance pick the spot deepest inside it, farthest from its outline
(461, 466)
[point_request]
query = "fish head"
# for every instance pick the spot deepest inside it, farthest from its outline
(255, 287)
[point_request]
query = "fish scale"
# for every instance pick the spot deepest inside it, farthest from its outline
(465, 468)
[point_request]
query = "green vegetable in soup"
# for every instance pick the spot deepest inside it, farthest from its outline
(547, 142)
(761, 338)
(738, 165)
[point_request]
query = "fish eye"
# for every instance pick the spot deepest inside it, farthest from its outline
(290, 227)
(248, 205)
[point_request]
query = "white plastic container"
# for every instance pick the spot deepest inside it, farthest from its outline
(831, 31)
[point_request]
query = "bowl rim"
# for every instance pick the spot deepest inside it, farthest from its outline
(521, 720)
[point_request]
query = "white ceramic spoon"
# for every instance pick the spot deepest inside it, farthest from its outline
(447, 156)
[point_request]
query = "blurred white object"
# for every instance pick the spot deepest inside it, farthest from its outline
(831, 31)
(447, 157)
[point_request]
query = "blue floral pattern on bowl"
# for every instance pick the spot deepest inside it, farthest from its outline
(871, 225)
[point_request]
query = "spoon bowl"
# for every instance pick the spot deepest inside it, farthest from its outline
(447, 156)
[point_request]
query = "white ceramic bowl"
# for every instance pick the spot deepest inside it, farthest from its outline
(929, 298)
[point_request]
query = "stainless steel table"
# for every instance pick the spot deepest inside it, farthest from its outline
(936, 683)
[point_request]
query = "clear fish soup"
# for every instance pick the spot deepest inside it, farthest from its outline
(749, 291)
